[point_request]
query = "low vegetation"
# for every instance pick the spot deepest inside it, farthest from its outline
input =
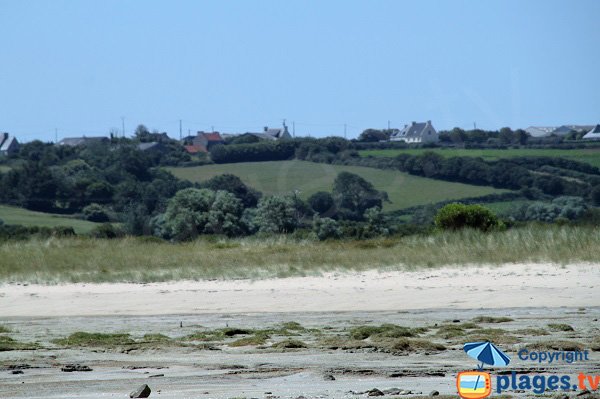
(491, 319)
(10, 344)
(86, 339)
(133, 259)
(560, 327)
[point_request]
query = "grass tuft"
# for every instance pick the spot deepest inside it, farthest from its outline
(490, 319)
(560, 327)
(86, 339)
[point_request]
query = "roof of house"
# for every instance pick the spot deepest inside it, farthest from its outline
(276, 133)
(414, 129)
(264, 136)
(7, 142)
(75, 141)
(194, 149)
(214, 136)
(540, 131)
(594, 133)
(3, 136)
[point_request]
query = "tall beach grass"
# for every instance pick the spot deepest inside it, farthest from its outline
(140, 260)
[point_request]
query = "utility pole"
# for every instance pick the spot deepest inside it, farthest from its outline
(293, 129)
(388, 125)
(55, 135)
(180, 131)
(344, 130)
(474, 126)
(123, 125)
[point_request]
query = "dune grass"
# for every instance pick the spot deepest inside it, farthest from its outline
(285, 177)
(130, 259)
(25, 217)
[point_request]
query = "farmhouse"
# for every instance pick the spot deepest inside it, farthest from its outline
(207, 140)
(83, 141)
(422, 132)
(8, 144)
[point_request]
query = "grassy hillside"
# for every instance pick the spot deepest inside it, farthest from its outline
(589, 155)
(13, 215)
(134, 259)
(307, 177)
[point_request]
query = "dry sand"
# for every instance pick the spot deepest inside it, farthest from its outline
(508, 286)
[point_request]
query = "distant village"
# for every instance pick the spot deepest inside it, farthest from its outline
(202, 142)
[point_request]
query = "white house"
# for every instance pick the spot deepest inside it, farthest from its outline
(593, 134)
(422, 132)
(8, 144)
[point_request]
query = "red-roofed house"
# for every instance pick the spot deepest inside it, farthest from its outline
(207, 140)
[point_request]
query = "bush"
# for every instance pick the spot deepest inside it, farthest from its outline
(325, 228)
(596, 195)
(107, 230)
(95, 213)
(457, 216)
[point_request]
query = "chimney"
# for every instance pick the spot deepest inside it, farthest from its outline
(414, 123)
(266, 128)
(429, 122)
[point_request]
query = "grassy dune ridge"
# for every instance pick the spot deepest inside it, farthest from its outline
(137, 260)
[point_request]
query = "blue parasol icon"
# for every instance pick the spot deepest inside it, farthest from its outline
(486, 353)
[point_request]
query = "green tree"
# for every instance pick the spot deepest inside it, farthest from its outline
(276, 214)
(322, 203)
(353, 195)
(224, 215)
(235, 186)
(187, 213)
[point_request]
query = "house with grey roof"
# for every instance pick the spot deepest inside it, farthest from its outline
(281, 133)
(8, 144)
(421, 132)
(593, 134)
(83, 141)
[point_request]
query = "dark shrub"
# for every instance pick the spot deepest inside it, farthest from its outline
(107, 230)
(457, 216)
(95, 213)
(322, 203)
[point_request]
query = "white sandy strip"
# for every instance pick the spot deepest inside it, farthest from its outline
(515, 285)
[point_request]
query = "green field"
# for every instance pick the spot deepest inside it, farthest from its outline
(282, 177)
(13, 215)
(589, 155)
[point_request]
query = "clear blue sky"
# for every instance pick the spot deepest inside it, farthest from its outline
(79, 66)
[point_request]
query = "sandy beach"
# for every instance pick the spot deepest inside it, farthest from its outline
(507, 286)
(189, 361)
